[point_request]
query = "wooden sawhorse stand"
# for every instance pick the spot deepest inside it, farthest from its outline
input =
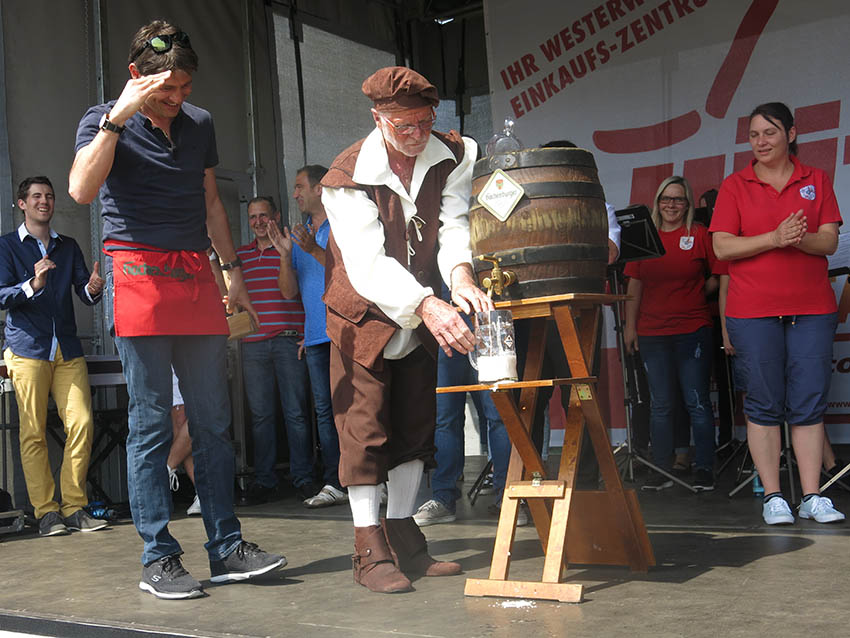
(579, 527)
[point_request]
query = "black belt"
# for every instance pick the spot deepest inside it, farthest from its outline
(288, 333)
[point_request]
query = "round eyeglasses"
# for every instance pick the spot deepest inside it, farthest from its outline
(410, 129)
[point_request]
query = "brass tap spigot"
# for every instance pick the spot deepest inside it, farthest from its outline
(499, 279)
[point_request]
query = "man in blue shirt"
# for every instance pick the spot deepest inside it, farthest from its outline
(150, 156)
(38, 269)
(307, 275)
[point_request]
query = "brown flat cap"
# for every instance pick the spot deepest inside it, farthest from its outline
(397, 88)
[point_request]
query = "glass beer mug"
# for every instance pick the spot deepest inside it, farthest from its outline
(494, 355)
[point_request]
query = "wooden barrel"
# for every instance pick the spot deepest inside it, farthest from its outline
(556, 238)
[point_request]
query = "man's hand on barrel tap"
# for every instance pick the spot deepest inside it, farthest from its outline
(465, 293)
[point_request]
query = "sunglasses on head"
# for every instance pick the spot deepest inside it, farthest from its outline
(163, 43)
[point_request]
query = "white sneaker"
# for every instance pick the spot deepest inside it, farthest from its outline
(195, 507)
(326, 497)
(173, 481)
(433, 512)
(820, 508)
(777, 512)
(522, 515)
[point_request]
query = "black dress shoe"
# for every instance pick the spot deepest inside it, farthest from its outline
(307, 490)
(257, 495)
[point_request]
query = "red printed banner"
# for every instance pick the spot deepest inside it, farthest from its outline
(661, 87)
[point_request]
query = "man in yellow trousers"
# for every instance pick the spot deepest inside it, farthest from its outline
(38, 269)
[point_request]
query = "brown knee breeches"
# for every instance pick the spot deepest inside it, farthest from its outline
(384, 418)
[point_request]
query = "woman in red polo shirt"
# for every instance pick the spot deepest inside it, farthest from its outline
(775, 221)
(668, 320)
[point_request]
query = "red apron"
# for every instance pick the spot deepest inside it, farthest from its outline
(163, 292)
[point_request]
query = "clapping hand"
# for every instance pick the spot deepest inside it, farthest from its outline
(41, 268)
(790, 231)
(282, 241)
(305, 237)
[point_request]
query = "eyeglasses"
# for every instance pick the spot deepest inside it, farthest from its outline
(410, 129)
(163, 43)
(678, 201)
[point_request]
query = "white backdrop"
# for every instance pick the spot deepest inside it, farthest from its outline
(659, 87)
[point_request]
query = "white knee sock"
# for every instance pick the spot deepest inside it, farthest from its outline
(365, 501)
(402, 487)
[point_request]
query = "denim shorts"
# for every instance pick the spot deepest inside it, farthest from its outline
(785, 366)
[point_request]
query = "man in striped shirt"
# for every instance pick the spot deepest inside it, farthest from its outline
(270, 356)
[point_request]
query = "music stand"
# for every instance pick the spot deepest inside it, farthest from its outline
(735, 446)
(839, 264)
(836, 477)
(639, 240)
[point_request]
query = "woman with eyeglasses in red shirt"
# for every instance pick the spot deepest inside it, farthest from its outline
(669, 321)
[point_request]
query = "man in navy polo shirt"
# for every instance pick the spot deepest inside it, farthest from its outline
(38, 269)
(150, 155)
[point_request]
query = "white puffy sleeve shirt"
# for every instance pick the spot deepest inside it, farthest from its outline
(360, 236)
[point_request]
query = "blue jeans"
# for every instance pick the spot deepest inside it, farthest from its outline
(448, 436)
(688, 358)
(319, 366)
(200, 365)
(263, 362)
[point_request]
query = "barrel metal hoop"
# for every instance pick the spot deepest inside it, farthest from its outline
(534, 158)
(545, 254)
(553, 286)
(538, 190)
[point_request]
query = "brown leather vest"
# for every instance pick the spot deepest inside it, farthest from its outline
(355, 325)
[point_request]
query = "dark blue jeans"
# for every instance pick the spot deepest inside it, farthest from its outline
(686, 357)
(264, 363)
(318, 365)
(448, 436)
(200, 365)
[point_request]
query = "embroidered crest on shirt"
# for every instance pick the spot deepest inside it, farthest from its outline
(686, 243)
(808, 192)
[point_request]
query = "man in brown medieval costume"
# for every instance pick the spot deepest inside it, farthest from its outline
(397, 202)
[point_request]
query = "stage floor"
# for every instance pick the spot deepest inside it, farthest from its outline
(720, 572)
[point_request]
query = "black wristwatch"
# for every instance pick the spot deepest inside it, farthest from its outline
(236, 263)
(106, 125)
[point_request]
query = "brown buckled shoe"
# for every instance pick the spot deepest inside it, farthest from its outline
(410, 549)
(374, 567)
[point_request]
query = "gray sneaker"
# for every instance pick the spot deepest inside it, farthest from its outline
(432, 513)
(51, 524)
(245, 562)
(81, 521)
(166, 578)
